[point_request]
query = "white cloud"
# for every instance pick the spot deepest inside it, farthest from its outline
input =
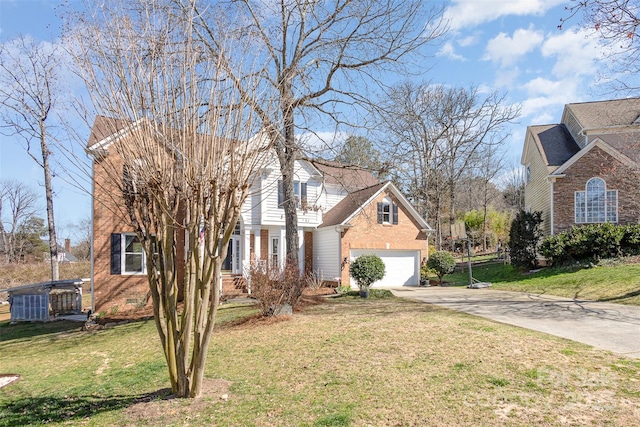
(507, 50)
(449, 51)
(575, 51)
(469, 40)
(470, 13)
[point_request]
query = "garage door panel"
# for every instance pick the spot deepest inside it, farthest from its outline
(402, 268)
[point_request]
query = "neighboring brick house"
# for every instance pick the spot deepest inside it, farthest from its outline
(342, 213)
(585, 169)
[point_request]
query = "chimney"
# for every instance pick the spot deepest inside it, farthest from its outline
(67, 245)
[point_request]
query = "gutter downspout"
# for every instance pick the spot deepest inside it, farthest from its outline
(552, 216)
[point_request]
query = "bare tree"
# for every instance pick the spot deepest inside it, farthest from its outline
(29, 91)
(185, 162)
(321, 60)
(438, 134)
(513, 188)
(17, 205)
(617, 23)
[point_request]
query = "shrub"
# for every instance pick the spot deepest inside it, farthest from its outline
(442, 262)
(592, 242)
(366, 270)
(524, 238)
(275, 288)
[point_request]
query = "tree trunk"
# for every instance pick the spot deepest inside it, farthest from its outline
(53, 243)
(287, 156)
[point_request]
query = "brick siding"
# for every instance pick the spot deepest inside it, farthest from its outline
(595, 163)
(366, 233)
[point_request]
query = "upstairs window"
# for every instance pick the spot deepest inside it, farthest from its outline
(299, 192)
(387, 212)
(596, 204)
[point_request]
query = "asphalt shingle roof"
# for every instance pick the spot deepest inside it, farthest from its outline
(556, 142)
(350, 204)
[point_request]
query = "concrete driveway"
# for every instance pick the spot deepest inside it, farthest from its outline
(606, 326)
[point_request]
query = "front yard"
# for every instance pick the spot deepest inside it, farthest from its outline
(347, 362)
(612, 281)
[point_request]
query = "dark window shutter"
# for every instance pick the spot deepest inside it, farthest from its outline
(280, 194)
(380, 212)
(395, 213)
(303, 192)
(116, 254)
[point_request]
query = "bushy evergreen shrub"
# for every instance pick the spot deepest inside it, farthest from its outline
(366, 270)
(524, 239)
(592, 242)
(442, 262)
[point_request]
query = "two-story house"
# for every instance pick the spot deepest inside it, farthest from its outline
(585, 169)
(342, 213)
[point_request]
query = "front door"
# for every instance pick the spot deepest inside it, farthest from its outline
(232, 262)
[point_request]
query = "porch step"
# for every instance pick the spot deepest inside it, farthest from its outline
(234, 286)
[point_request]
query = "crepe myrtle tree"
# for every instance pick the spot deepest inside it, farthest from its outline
(182, 166)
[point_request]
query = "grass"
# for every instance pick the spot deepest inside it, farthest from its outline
(610, 282)
(348, 362)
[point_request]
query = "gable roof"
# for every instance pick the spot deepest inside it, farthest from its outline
(605, 114)
(355, 202)
(555, 143)
(595, 143)
(103, 128)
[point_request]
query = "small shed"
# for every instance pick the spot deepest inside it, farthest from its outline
(46, 300)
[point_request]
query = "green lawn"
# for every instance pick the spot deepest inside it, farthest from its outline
(348, 362)
(611, 282)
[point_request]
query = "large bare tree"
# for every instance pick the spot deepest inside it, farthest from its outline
(189, 150)
(437, 135)
(320, 61)
(29, 91)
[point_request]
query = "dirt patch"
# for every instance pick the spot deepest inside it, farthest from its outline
(163, 408)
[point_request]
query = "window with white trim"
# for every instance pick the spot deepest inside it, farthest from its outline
(596, 204)
(299, 192)
(127, 254)
(387, 212)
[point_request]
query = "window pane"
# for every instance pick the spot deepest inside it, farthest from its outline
(612, 206)
(133, 263)
(579, 207)
(132, 244)
(596, 200)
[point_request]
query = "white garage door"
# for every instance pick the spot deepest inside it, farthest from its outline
(402, 268)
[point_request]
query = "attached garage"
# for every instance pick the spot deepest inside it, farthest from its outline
(402, 267)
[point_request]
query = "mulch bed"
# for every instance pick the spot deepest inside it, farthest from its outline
(310, 297)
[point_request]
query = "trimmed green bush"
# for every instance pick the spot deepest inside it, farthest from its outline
(442, 262)
(366, 270)
(592, 242)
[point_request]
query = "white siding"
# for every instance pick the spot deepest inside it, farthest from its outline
(271, 214)
(574, 127)
(326, 252)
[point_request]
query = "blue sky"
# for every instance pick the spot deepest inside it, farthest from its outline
(512, 46)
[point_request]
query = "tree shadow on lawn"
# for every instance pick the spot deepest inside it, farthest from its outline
(32, 329)
(57, 409)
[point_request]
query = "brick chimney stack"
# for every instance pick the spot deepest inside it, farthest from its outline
(67, 245)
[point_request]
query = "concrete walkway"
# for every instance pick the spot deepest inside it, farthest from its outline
(612, 327)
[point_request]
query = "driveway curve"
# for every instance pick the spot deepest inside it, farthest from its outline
(606, 326)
